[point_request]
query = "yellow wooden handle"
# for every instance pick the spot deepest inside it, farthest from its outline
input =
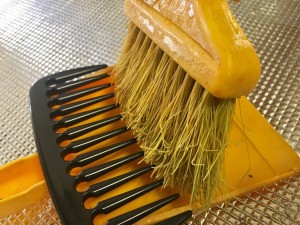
(22, 184)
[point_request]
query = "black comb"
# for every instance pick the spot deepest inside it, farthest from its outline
(60, 106)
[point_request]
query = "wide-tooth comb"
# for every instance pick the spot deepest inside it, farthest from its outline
(81, 140)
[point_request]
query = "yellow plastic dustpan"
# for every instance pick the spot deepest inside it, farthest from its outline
(256, 156)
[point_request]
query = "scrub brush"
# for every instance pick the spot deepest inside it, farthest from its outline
(182, 66)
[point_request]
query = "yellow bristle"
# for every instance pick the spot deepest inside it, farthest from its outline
(182, 128)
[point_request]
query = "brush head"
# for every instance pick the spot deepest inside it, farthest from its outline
(181, 127)
(204, 38)
(182, 65)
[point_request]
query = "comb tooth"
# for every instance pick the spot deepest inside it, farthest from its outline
(109, 205)
(70, 96)
(64, 87)
(85, 143)
(79, 117)
(84, 129)
(92, 156)
(178, 219)
(97, 171)
(71, 74)
(139, 213)
(103, 187)
(73, 107)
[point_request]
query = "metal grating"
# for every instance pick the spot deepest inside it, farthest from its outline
(42, 37)
(278, 203)
(273, 28)
(42, 213)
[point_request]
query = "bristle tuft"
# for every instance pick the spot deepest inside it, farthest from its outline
(181, 127)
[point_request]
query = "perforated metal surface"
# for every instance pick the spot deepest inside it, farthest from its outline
(42, 37)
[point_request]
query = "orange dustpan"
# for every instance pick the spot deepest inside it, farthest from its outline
(256, 156)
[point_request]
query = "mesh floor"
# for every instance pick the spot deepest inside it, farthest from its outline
(43, 37)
